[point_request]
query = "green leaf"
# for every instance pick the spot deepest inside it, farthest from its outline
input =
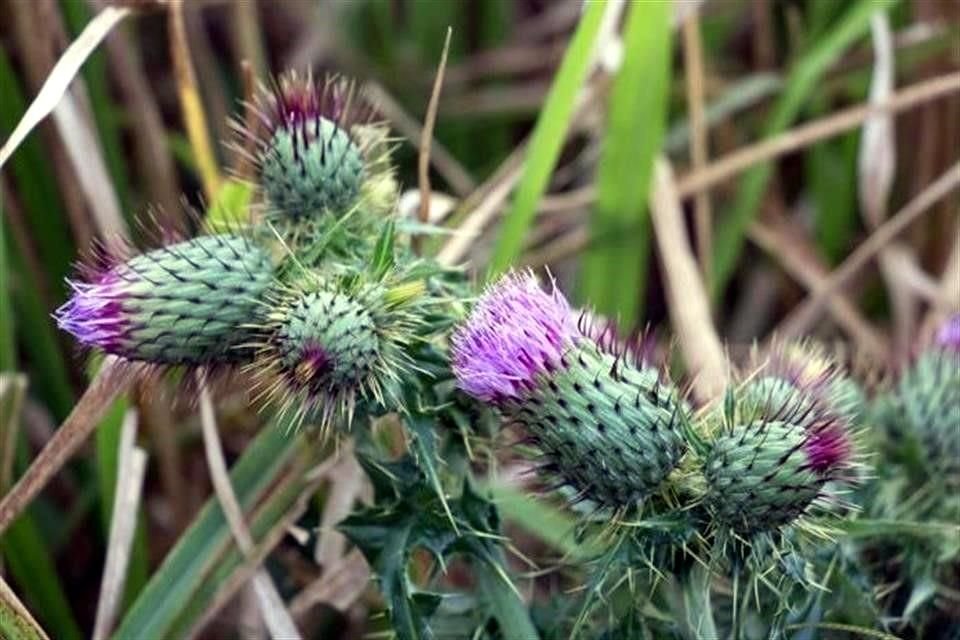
(408, 515)
(804, 78)
(547, 138)
(614, 268)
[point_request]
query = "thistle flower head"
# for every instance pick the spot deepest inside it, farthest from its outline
(516, 332)
(948, 337)
(765, 474)
(799, 382)
(309, 158)
(182, 304)
(326, 345)
(607, 429)
(928, 398)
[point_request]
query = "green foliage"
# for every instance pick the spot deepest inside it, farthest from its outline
(802, 81)
(547, 138)
(614, 267)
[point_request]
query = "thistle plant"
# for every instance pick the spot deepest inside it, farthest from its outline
(609, 430)
(322, 162)
(334, 322)
(186, 303)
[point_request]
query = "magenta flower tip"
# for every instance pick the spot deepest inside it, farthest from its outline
(516, 332)
(828, 448)
(94, 313)
(949, 335)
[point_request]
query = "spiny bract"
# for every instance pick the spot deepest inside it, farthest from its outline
(186, 303)
(608, 429)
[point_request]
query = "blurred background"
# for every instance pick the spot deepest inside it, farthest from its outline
(546, 140)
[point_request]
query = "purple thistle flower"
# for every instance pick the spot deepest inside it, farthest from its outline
(828, 448)
(949, 335)
(516, 332)
(94, 315)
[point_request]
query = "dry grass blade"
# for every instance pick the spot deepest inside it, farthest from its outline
(83, 150)
(801, 262)
(272, 608)
(148, 138)
(347, 485)
(801, 319)
(339, 586)
(426, 136)
(799, 137)
(876, 168)
(15, 618)
(689, 304)
(495, 193)
(62, 75)
(131, 468)
(487, 201)
(193, 114)
(112, 380)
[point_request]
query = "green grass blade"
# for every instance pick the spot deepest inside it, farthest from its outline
(547, 138)
(8, 338)
(33, 569)
(540, 519)
(614, 268)
(47, 369)
(731, 232)
(507, 607)
(35, 184)
(39, 198)
(189, 564)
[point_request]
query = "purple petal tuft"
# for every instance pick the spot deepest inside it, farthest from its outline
(949, 334)
(516, 332)
(94, 314)
(828, 448)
